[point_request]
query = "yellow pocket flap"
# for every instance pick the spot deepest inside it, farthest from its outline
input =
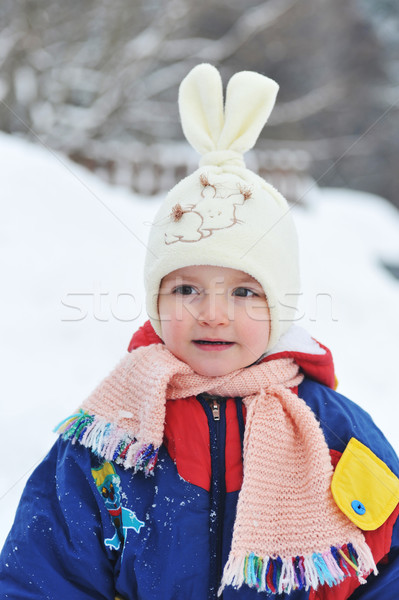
(363, 487)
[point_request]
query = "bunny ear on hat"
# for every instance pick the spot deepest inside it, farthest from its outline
(201, 107)
(250, 99)
(220, 133)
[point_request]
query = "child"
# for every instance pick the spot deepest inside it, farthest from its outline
(203, 465)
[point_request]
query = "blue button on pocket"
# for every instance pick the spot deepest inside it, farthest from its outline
(358, 507)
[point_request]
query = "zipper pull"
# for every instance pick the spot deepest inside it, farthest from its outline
(215, 407)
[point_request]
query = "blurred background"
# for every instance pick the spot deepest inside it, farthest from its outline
(90, 140)
(97, 80)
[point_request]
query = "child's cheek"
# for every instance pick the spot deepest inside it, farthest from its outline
(256, 327)
(172, 330)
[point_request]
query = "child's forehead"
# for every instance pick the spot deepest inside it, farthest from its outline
(209, 272)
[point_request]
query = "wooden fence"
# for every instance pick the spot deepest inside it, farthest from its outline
(151, 170)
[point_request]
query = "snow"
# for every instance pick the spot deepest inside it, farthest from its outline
(72, 250)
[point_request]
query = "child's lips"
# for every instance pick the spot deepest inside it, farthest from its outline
(209, 345)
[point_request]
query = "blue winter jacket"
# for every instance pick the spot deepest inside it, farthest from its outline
(86, 529)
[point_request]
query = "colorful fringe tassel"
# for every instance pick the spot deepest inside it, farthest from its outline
(277, 575)
(108, 441)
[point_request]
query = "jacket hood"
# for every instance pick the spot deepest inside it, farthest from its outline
(314, 359)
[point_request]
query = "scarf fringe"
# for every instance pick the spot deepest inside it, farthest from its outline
(108, 441)
(278, 575)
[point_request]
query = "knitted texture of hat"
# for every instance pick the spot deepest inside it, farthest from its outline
(287, 522)
(223, 214)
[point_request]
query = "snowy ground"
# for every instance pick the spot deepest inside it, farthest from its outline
(72, 250)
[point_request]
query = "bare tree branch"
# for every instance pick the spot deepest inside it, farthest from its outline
(309, 104)
(250, 23)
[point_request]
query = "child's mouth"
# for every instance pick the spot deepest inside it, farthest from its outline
(213, 344)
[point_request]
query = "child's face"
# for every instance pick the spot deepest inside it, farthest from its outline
(214, 319)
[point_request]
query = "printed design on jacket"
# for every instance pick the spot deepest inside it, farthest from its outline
(216, 209)
(108, 484)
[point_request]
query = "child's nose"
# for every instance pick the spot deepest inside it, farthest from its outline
(214, 310)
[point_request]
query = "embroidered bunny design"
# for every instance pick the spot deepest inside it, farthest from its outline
(215, 210)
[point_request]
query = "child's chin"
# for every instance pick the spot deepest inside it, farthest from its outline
(212, 370)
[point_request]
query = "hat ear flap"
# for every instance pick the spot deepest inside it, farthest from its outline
(250, 98)
(201, 107)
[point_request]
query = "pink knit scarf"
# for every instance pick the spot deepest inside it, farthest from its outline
(288, 533)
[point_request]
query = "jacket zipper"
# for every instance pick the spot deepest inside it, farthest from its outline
(214, 403)
(215, 411)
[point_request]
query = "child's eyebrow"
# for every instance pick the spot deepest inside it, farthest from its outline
(188, 279)
(180, 279)
(243, 282)
(247, 283)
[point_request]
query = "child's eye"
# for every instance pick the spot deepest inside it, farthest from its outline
(184, 290)
(243, 292)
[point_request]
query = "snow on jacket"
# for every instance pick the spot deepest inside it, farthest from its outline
(89, 529)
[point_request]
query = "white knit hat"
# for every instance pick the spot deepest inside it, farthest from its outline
(223, 214)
